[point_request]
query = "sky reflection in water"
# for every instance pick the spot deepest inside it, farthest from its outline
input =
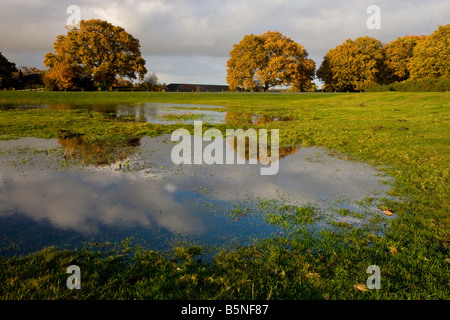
(157, 202)
(148, 197)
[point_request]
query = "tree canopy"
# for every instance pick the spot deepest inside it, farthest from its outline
(364, 62)
(354, 65)
(431, 58)
(269, 60)
(96, 52)
(6, 70)
(398, 54)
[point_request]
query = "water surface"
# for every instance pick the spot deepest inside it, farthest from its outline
(158, 113)
(45, 202)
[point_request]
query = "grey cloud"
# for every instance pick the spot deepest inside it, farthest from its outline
(180, 29)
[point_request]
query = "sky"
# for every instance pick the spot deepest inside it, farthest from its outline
(189, 41)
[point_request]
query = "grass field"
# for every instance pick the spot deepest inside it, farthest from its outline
(407, 134)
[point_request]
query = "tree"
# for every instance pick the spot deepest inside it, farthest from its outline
(398, 54)
(61, 75)
(122, 83)
(6, 70)
(150, 81)
(246, 59)
(431, 57)
(95, 51)
(325, 74)
(269, 60)
(354, 65)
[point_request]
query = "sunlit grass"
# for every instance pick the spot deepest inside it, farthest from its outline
(182, 116)
(405, 134)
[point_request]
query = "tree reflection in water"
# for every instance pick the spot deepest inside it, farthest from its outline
(96, 150)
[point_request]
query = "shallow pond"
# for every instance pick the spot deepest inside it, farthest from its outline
(158, 113)
(161, 113)
(46, 199)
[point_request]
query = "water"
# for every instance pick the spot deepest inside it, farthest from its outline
(158, 113)
(161, 113)
(44, 201)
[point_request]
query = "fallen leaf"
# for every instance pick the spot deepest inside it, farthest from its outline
(360, 287)
(393, 250)
(388, 213)
(311, 275)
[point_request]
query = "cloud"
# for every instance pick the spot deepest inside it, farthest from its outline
(173, 31)
(88, 202)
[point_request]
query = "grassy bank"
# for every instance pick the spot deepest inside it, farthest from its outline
(407, 134)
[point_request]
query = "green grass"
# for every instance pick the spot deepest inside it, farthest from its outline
(406, 134)
(182, 117)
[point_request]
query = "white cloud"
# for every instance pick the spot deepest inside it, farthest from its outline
(182, 29)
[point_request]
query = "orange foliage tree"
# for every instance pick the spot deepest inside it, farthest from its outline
(398, 54)
(354, 65)
(95, 51)
(431, 58)
(61, 75)
(269, 60)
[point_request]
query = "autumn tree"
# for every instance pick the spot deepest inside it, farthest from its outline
(431, 58)
(6, 70)
(398, 54)
(95, 51)
(269, 60)
(122, 83)
(61, 75)
(354, 65)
